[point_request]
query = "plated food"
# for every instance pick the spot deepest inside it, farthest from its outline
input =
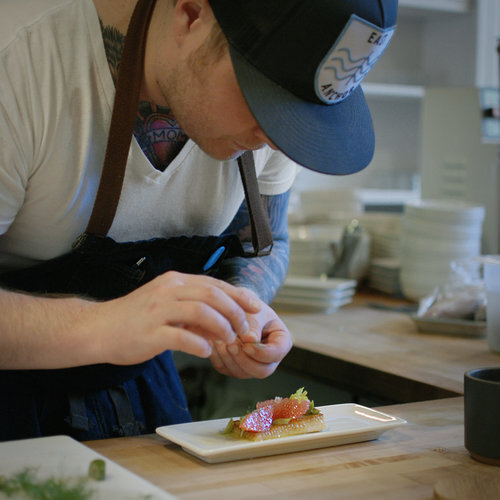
(277, 418)
(346, 423)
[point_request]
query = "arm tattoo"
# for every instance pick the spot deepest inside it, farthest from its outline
(264, 275)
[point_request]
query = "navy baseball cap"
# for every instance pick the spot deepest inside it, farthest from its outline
(299, 64)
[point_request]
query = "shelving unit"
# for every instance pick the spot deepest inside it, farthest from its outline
(425, 6)
(373, 90)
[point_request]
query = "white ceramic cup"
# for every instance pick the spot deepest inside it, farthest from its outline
(492, 283)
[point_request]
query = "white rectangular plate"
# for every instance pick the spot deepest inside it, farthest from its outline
(61, 457)
(346, 423)
(311, 283)
(309, 305)
(300, 293)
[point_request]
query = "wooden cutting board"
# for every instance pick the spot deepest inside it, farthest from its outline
(468, 487)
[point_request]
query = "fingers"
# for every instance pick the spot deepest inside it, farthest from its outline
(217, 361)
(255, 329)
(162, 339)
(275, 346)
(182, 312)
(256, 359)
(200, 318)
(180, 339)
(231, 364)
(232, 360)
(216, 305)
(244, 297)
(231, 302)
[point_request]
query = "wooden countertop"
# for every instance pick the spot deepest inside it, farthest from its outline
(387, 343)
(363, 347)
(404, 463)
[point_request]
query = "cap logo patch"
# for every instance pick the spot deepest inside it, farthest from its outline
(350, 59)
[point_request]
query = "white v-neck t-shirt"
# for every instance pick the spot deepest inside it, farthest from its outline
(56, 99)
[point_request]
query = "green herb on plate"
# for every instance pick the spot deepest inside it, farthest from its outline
(97, 469)
(26, 482)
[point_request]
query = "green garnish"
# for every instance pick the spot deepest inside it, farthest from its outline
(281, 421)
(46, 489)
(97, 469)
(313, 411)
(300, 395)
(229, 427)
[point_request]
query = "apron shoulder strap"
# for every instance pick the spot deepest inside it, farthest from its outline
(262, 238)
(122, 120)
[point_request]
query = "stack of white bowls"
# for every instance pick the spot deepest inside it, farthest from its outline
(434, 234)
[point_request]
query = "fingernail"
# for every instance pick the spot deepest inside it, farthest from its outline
(209, 351)
(233, 349)
(250, 337)
(258, 346)
(255, 304)
(245, 327)
(249, 349)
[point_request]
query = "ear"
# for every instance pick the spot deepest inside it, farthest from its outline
(191, 17)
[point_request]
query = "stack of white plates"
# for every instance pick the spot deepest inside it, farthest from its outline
(315, 294)
(385, 232)
(383, 275)
(435, 233)
(312, 249)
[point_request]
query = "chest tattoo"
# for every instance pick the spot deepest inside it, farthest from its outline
(158, 134)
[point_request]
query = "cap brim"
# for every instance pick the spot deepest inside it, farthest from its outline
(331, 139)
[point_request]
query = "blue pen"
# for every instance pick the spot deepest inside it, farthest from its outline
(213, 258)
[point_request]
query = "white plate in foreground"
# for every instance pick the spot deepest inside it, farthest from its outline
(346, 423)
(63, 458)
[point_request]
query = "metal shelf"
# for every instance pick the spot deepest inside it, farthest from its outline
(434, 6)
(392, 91)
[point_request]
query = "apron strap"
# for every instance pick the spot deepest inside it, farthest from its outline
(120, 135)
(127, 424)
(122, 120)
(77, 418)
(262, 238)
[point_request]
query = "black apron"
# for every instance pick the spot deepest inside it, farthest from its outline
(104, 400)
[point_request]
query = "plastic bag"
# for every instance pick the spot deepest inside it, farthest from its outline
(462, 297)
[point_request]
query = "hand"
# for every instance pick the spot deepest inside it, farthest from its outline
(174, 311)
(257, 353)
